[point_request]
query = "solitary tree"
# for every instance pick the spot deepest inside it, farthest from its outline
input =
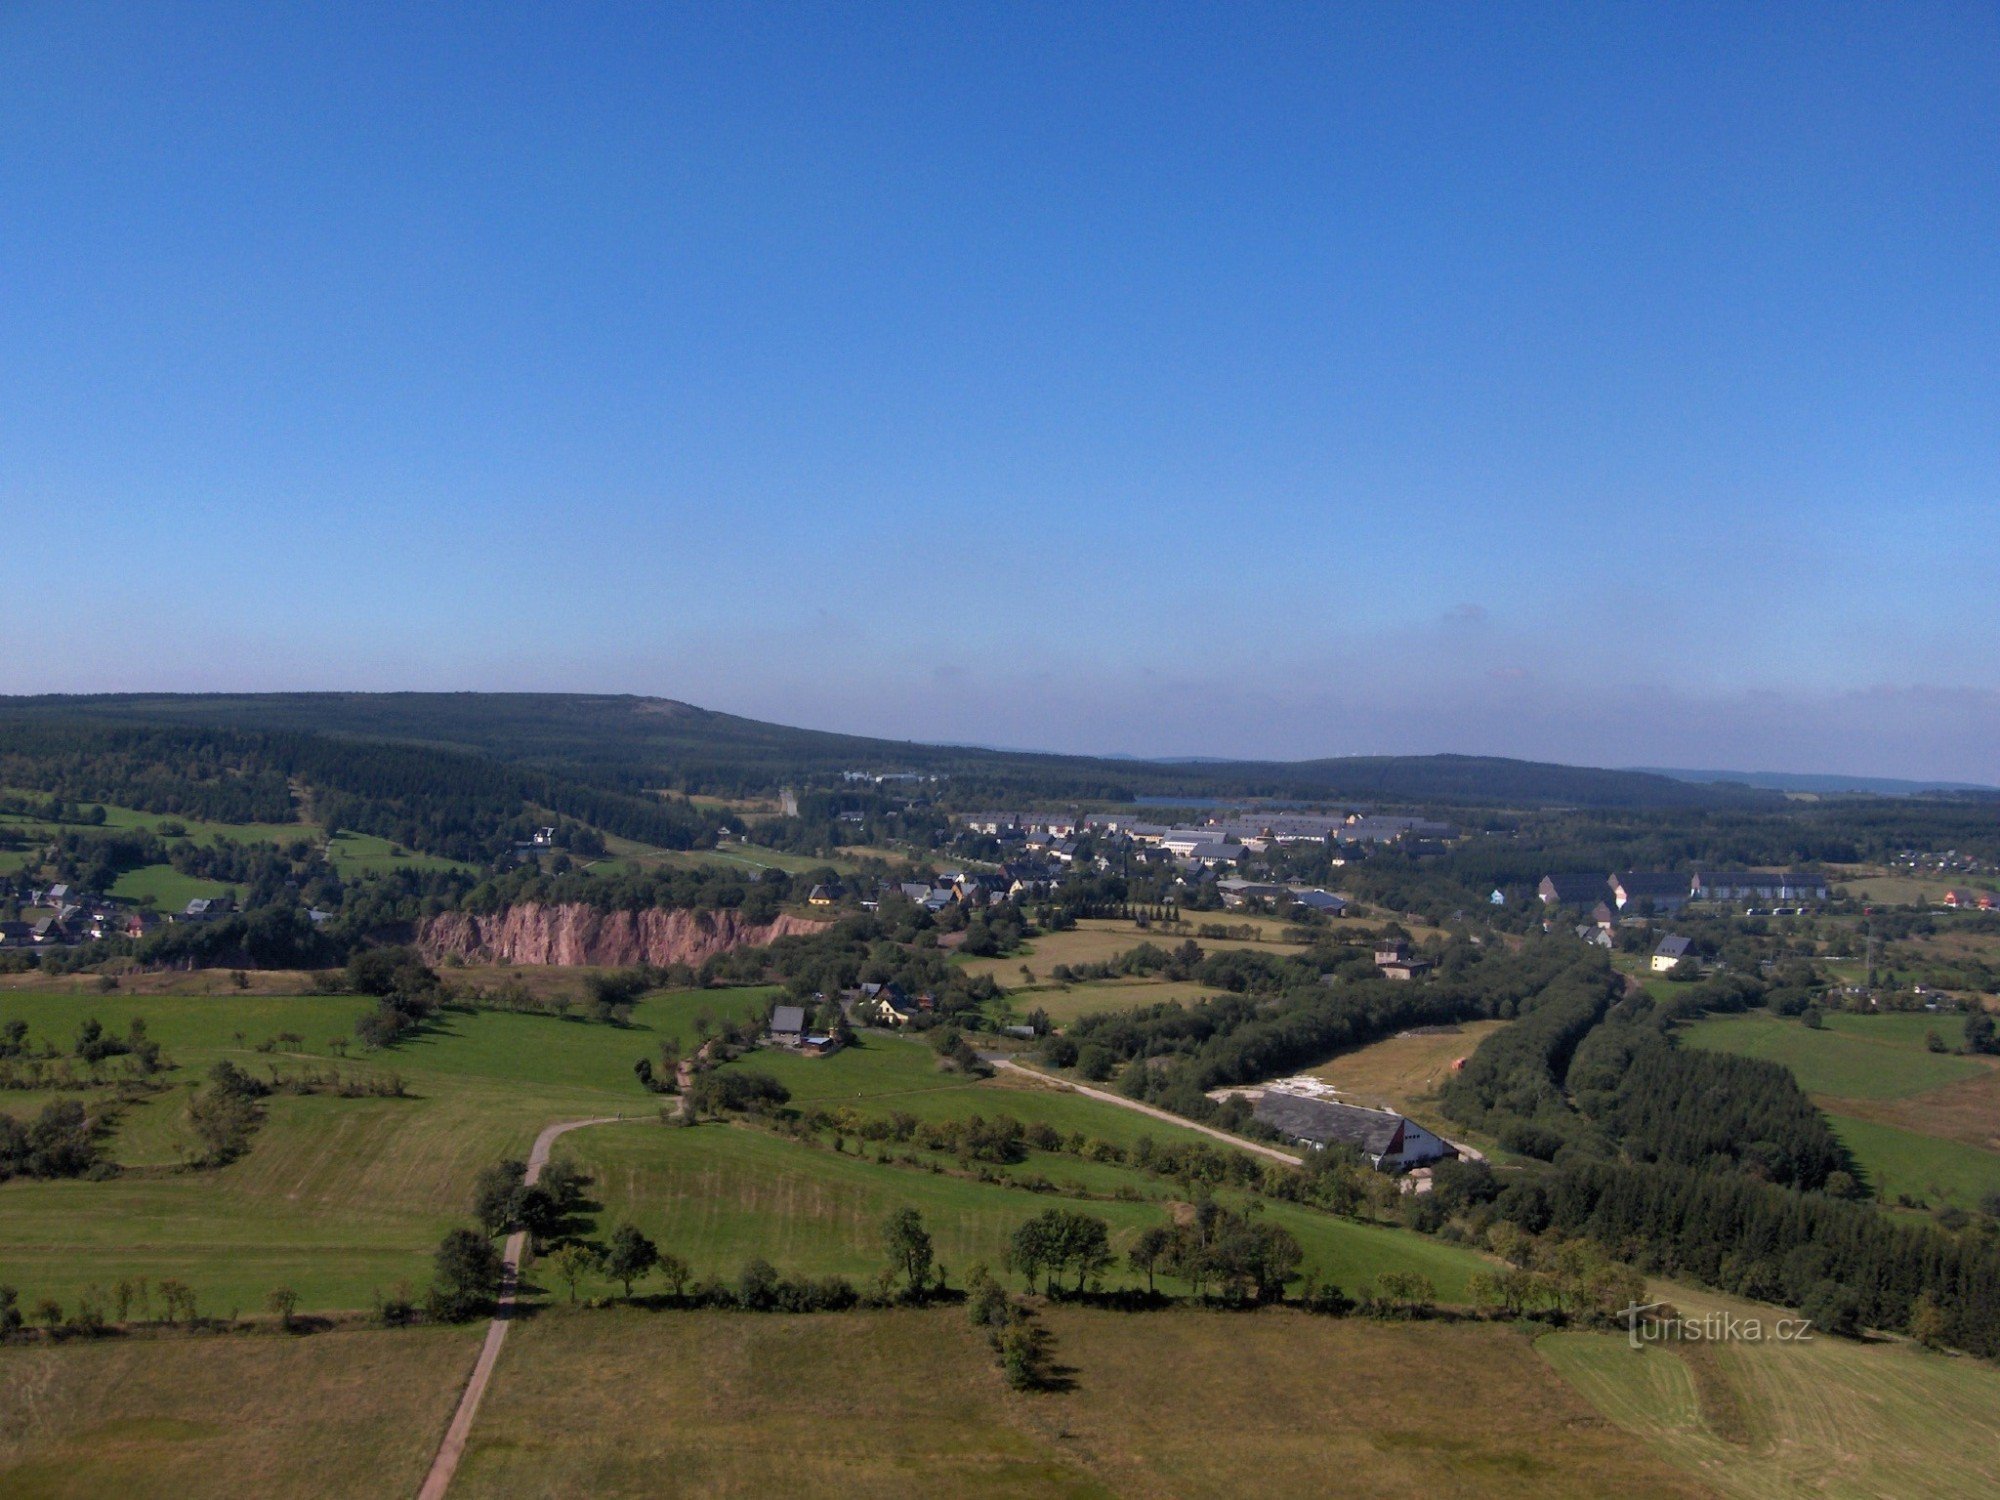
(675, 1272)
(1149, 1250)
(178, 1298)
(1927, 1322)
(496, 1194)
(571, 1263)
(630, 1256)
(909, 1247)
(541, 1213)
(469, 1272)
(284, 1302)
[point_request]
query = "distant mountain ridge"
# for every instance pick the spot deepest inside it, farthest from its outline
(1825, 783)
(633, 742)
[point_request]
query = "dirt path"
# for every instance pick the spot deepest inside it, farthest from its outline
(452, 1449)
(1288, 1158)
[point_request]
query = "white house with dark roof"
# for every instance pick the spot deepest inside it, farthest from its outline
(1673, 948)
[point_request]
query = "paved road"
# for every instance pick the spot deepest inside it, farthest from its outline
(455, 1436)
(1290, 1159)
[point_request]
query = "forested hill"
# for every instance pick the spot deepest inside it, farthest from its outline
(638, 743)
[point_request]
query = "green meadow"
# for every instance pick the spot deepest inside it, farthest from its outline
(338, 1198)
(164, 887)
(1920, 1124)
(1851, 1057)
(342, 1199)
(356, 854)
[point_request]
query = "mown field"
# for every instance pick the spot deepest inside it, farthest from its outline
(718, 1195)
(1921, 1124)
(1066, 1003)
(1178, 1403)
(1768, 1420)
(352, 1413)
(341, 1198)
(1406, 1071)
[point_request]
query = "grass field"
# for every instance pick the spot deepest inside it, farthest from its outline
(1763, 1421)
(719, 1195)
(164, 887)
(342, 1198)
(338, 1198)
(1852, 1057)
(1900, 890)
(1068, 1002)
(354, 854)
(1921, 1124)
(349, 1413)
(1904, 1163)
(899, 1403)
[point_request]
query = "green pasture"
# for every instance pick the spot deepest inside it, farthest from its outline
(337, 1197)
(1852, 1057)
(164, 887)
(718, 1195)
(355, 854)
(1902, 1162)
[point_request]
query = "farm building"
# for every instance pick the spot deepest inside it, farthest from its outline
(788, 1024)
(1571, 890)
(1389, 1141)
(1666, 892)
(1237, 893)
(1320, 901)
(1758, 885)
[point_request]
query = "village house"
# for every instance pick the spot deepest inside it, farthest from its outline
(882, 1005)
(1965, 900)
(827, 895)
(1673, 948)
(788, 1025)
(1390, 1142)
(1395, 962)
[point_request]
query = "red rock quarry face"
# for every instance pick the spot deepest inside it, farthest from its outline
(573, 934)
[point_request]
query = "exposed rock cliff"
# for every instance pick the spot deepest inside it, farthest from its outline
(575, 934)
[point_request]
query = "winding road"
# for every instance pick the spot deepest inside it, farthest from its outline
(452, 1449)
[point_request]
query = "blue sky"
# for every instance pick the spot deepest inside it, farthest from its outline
(1611, 384)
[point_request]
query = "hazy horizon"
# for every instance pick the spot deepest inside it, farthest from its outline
(1611, 387)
